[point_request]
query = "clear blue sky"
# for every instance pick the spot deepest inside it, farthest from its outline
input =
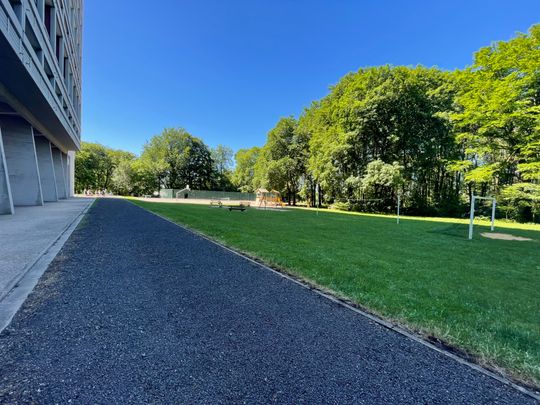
(227, 70)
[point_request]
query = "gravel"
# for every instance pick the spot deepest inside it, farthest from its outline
(137, 310)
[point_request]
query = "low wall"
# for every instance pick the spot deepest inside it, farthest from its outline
(207, 194)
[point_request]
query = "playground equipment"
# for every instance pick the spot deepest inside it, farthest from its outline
(218, 202)
(185, 191)
(272, 198)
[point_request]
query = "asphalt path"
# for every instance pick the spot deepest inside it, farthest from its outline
(135, 309)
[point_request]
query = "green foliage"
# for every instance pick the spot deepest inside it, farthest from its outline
(382, 178)
(282, 161)
(244, 171)
(522, 201)
(341, 206)
(498, 119)
(431, 136)
(172, 159)
(95, 165)
(390, 114)
(222, 157)
(177, 159)
(122, 178)
(451, 134)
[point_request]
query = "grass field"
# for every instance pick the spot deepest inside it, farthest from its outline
(482, 296)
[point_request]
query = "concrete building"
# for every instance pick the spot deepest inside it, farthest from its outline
(40, 100)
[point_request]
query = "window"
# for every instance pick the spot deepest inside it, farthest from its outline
(48, 18)
(59, 49)
(17, 7)
(32, 38)
(66, 70)
(48, 72)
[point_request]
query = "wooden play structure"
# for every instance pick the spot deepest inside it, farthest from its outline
(267, 198)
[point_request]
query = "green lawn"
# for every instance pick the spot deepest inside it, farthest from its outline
(481, 295)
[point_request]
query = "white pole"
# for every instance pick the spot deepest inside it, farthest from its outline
(317, 202)
(472, 217)
(493, 205)
(398, 201)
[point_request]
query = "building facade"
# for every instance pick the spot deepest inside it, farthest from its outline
(40, 100)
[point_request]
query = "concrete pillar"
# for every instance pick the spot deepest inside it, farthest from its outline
(6, 202)
(21, 160)
(59, 173)
(66, 172)
(60, 53)
(40, 4)
(71, 171)
(46, 168)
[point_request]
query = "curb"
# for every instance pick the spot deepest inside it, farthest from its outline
(12, 297)
(380, 321)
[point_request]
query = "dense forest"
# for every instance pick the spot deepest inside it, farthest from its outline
(431, 136)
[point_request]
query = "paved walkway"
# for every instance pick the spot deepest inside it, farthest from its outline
(134, 310)
(26, 234)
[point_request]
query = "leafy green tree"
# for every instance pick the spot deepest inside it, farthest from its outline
(244, 170)
(392, 114)
(123, 178)
(176, 159)
(382, 180)
(521, 201)
(498, 121)
(222, 157)
(282, 161)
(95, 165)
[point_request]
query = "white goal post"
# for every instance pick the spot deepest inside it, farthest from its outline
(398, 204)
(493, 205)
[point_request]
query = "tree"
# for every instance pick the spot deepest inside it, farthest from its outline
(392, 114)
(244, 170)
(123, 178)
(382, 180)
(522, 201)
(95, 165)
(177, 159)
(282, 161)
(222, 157)
(499, 114)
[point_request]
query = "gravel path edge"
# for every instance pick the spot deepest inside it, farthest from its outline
(531, 392)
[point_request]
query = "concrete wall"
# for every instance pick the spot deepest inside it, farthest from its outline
(32, 169)
(59, 173)
(41, 63)
(46, 169)
(21, 160)
(6, 202)
(40, 94)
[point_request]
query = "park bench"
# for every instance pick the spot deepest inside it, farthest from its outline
(240, 207)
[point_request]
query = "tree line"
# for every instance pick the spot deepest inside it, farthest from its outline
(173, 159)
(431, 136)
